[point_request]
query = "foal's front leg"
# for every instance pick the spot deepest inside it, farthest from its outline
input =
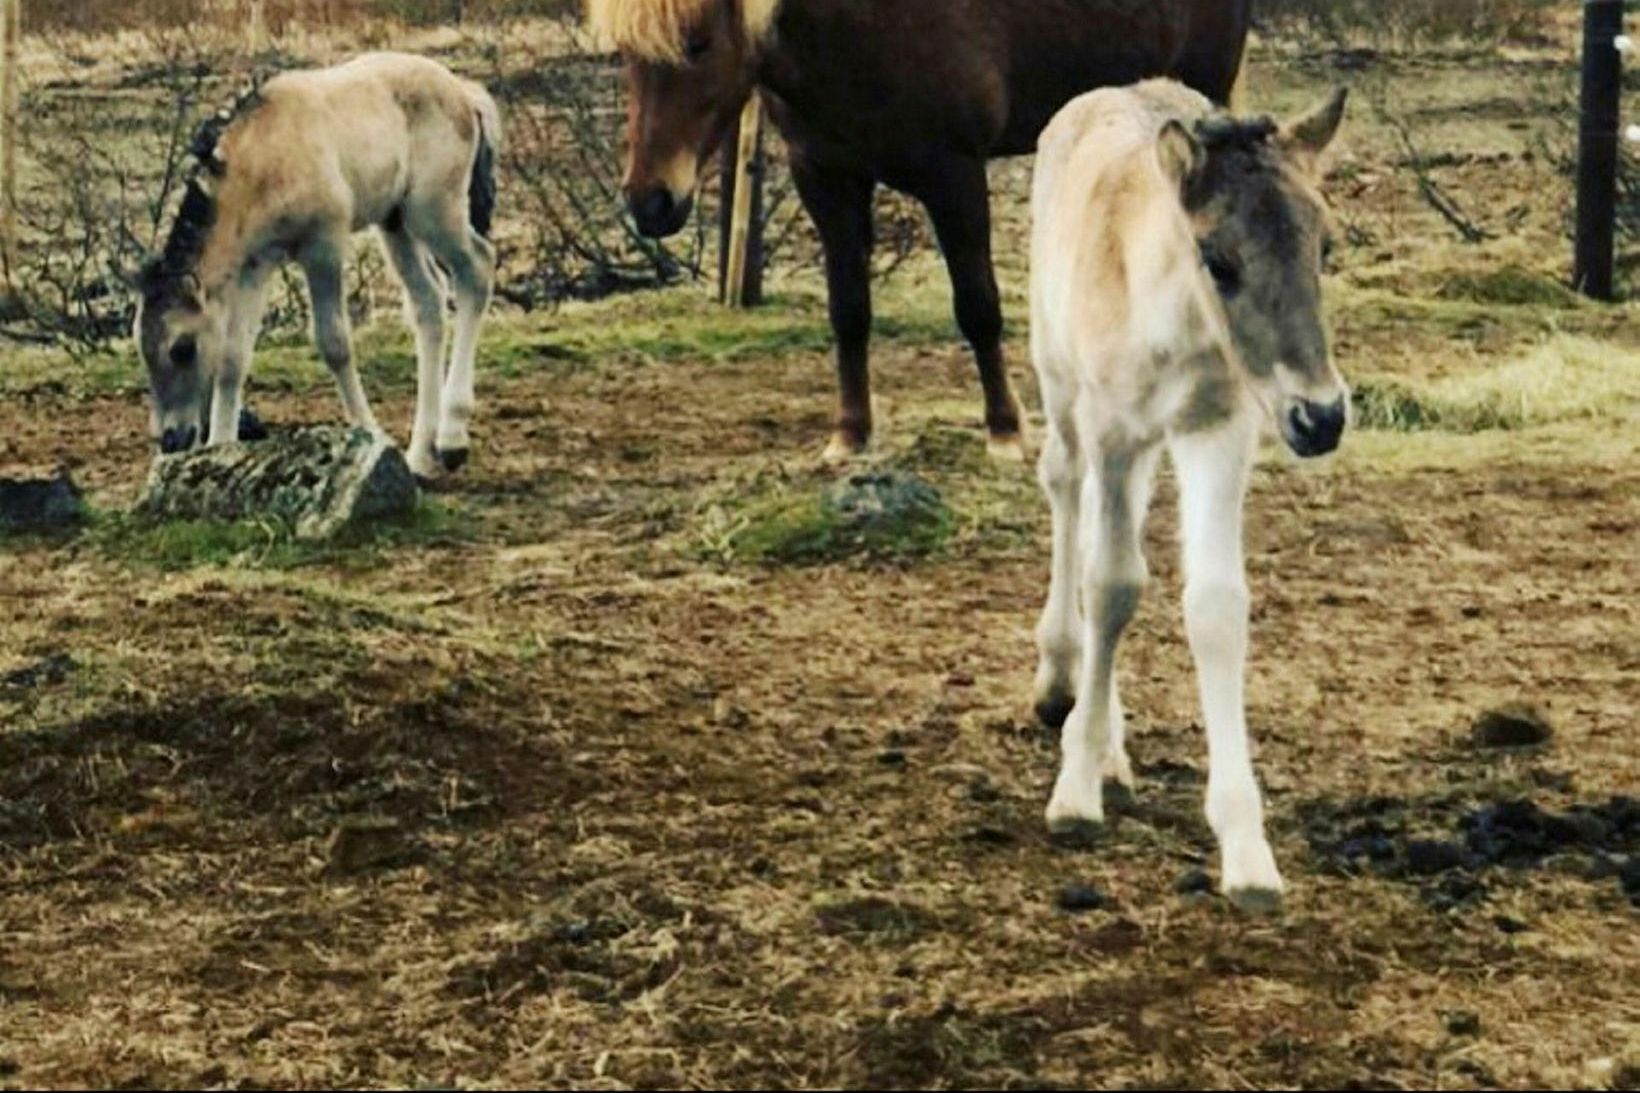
(322, 263)
(1213, 470)
(1115, 494)
(245, 309)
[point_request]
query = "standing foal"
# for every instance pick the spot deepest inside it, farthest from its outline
(1175, 303)
(389, 141)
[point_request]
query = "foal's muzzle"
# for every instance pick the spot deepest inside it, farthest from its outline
(175, 440)
(657, 213)
(1313, 428)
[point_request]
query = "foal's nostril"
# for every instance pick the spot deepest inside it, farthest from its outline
(1314, 428)
(175, 440)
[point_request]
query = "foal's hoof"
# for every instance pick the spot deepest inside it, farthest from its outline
(251, 427)
(453, 458)
(1076, 833)
(1255, 901)
(1053, 709)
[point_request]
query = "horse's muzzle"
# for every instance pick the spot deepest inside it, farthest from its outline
(657, 213)
(1312, 428)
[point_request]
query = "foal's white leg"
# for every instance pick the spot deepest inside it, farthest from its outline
(246, 304)
(470, 260)
(424, 311)
(1058, 637)
(1115, 494)
(1213, 470)
(322, 263)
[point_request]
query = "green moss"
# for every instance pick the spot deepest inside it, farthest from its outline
(268, 542)
(883, 516)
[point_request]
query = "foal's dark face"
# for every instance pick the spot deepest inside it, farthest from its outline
(1262, 229)
(173, 334)
(678, 114)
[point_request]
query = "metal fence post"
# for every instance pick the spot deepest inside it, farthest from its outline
(1597, 147)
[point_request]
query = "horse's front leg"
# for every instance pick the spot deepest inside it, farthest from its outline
(840, 206)
(1213, 470)
(1115, 493)
(957, 196)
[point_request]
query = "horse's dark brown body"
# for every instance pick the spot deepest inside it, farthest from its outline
(918, 94)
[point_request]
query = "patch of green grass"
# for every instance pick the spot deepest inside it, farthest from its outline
(267, 542)
(778, 520)
(1563, 379)
(1510, 285)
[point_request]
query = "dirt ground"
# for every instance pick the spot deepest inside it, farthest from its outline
(552, 790)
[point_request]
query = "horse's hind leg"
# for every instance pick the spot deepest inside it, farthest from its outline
(424, 310)
(469, 259)
(322, 263)
(957, 197)
(1213, 470)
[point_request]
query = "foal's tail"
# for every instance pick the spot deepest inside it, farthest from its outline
(481, 187)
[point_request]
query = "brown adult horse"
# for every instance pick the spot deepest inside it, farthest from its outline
(915, 94)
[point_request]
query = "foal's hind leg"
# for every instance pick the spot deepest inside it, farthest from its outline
(469, 259)
(1213, 470)
(958, 200)
(1115, 493)
(424, 309)
(322, 263)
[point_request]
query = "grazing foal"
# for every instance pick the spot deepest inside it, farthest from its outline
(1175, 303)
(389, 141)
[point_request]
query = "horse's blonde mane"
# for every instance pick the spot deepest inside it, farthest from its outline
(656, 29)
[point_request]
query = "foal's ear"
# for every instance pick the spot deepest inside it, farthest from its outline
(1181, 155)
(1305, 138)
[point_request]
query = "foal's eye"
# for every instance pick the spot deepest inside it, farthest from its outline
(1225, 273)
(698, 46)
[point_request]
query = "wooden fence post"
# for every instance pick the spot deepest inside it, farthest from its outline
(740, 269)
(256, 28)
(1597, 148)
(11, 30)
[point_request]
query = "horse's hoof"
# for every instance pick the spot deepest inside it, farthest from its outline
(842, 448)
(1255, 901)
(1007, 448)
(1054, 709)
(453, 458)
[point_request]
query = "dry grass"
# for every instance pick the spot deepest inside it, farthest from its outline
(544, 797)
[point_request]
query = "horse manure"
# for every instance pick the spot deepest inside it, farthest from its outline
(1077, 898)
(1517, 725)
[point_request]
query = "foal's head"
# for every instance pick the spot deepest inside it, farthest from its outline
(1250, 188)
(689, 69)
(177, 332)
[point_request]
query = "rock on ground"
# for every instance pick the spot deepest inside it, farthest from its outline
(38, 502)
(319, 479)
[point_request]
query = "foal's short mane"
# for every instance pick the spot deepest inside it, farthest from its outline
(656, 30)
(197, 213)
(1224, 131)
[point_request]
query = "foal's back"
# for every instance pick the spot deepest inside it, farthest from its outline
(1112, 261)
(354, 138)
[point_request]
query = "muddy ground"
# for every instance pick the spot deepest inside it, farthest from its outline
(551, 787)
